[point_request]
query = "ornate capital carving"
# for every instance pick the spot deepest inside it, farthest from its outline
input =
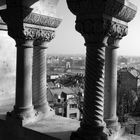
(26, 25)
(95, 29)
(32, 33)
(97, 20)
(113, 43)
(117, 30)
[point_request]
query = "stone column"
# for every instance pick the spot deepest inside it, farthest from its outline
(110, 105)
(96, 21)
(117, 31)
(46, 22)
(28, 24)
(40, 72)
(23, 111)
(93, 126)
(23, 108)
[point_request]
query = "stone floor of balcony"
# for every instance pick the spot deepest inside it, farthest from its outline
(50, 128)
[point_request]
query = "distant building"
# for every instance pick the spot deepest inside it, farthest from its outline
(71, 108)
(63, 101)
(128, 79)
(68, 65)
(127, 90)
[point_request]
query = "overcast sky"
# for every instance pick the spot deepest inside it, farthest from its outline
(68, 41)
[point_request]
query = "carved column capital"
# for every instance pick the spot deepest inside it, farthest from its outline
(103, 17)
(32, 33)
(104, 27)
(90, 27)
(117, 30)
(32, 26)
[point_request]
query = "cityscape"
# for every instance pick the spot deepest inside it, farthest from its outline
(65, 74)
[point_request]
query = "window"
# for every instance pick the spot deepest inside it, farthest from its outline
(73, 105)
(73, 115)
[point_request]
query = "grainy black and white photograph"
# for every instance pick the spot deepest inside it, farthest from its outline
(69, 70)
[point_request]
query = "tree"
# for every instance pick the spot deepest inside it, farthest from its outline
(127, 103)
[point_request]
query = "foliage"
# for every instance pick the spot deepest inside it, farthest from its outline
(127, 103)
(72, 80)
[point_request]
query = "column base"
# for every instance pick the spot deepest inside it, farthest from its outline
(113, 124)
(44, 108)
(22, 116)
(96, 133)
(114, 127)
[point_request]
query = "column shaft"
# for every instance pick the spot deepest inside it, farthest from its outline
(110, 106)
(110, 85)
(94, 86)
(23, 108)
(93, 126)
(39, 79)
(24, 77)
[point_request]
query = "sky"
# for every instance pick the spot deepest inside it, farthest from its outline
(69, 41)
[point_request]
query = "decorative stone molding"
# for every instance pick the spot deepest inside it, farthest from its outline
(85, 7)
(32, 33)
(120, 9)
(42, 20)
